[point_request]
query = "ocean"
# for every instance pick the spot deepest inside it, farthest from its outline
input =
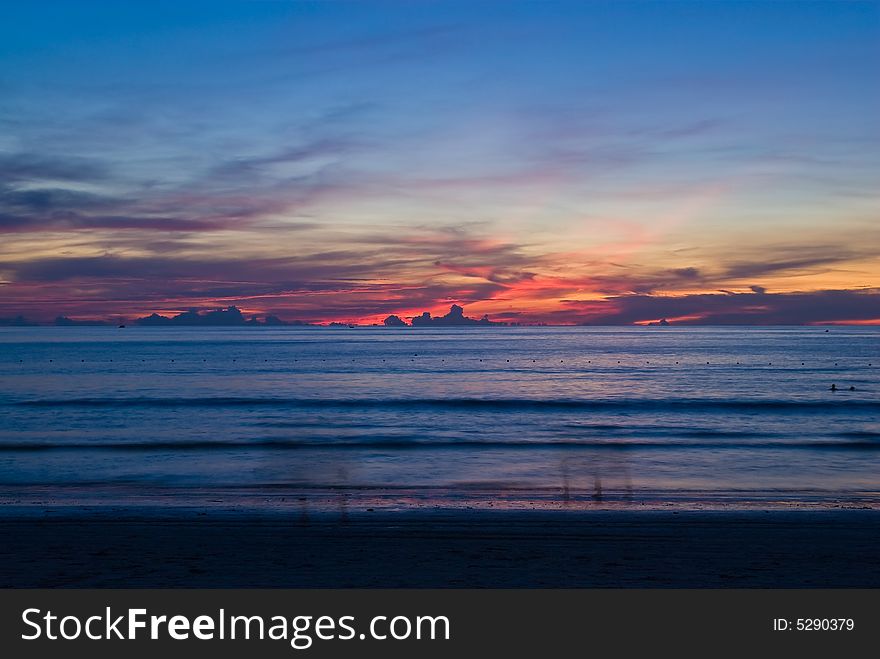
(303, 419)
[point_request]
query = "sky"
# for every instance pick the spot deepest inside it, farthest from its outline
(539, 162)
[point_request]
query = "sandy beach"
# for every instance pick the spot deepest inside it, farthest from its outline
(631, 549)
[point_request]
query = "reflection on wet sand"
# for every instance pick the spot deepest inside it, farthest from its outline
(582, 477)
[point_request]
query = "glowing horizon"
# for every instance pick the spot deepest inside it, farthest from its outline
(559, 163)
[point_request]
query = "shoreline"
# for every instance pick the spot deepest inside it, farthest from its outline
(294, 502)
(445, 549)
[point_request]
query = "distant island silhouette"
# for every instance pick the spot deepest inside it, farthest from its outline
(218, 317)
(232, 316)
(455, 318)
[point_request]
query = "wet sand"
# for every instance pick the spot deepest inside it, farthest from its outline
(613, 549)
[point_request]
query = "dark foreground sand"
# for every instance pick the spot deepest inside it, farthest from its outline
(778, 549)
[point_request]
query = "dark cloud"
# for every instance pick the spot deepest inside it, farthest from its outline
(769, 260)
(374, 274)
(686, 273)
(308, 271)
(808, 259)
(343, 284)
(754, 308)
(52, 199)
(45, 193)
(196, 209)
(71, 221)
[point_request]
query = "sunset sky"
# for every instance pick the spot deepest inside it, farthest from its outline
(581, 162)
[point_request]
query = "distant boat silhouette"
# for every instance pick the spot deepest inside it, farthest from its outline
(122, 327)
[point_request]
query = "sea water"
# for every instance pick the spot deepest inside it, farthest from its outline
(266, 418)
